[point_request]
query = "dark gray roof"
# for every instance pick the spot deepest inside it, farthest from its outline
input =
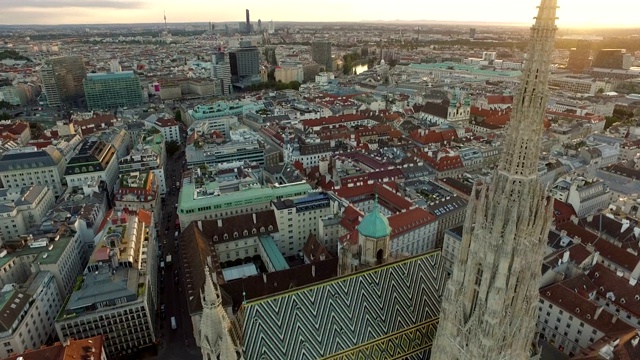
(15, 160)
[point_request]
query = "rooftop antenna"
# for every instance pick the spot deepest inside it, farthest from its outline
(165, 19)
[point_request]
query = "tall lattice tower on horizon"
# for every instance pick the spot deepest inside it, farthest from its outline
(490, 303)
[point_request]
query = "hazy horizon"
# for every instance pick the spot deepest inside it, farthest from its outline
(572, 13)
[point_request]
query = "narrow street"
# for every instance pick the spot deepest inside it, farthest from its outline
(176, 344)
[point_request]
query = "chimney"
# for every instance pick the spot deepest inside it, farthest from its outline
(574, 219)
(598, 311)
(614, 319)
(313, 270)
(66, 342)
(219, 223)
(200, 225)
(254, 218)
(264, 277)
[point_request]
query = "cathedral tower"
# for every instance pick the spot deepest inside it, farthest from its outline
(490, 303)
(215, 341)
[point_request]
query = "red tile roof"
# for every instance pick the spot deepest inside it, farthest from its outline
(406, 221)
(625, 295)
(332, 120)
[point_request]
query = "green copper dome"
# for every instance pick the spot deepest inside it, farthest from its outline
(374, 224)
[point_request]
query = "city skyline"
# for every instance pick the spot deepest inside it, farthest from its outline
(574, 13)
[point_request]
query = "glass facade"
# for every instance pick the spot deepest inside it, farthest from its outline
(109, 91)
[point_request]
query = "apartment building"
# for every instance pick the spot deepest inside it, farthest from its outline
(29, 166)
(22, 208)
(117, 293)
(569, 318)
(297, 218)
(28, 314)
(95, 161)
(585, 196)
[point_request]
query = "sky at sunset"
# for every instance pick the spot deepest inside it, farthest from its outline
(572, 13)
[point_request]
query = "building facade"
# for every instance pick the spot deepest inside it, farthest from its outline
(94, 162)
(20, 209)
(117, 292)
(107, 91)
(321, 53)
(29, 314)
(29, 166)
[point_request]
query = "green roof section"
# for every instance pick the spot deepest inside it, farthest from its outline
(463, 67)
(271, 249)
(43, 254)
(188, 202)
(375, 225)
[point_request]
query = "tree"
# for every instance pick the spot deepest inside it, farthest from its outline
(172, 147)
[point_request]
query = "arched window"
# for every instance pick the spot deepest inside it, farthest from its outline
(245, 233)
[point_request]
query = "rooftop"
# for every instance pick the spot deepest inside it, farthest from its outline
(110, 76)
(76, 349)
(43, 255)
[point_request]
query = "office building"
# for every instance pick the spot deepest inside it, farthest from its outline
(272, 27)
(612, 59)
(95, 162)
(228, 153)
(169, 128)
(29, 166)
(117, 293)
(472, 33)
(206, 200)
(62, 79)
(50, 90)
(221, 72)
(14, 95)
(498, 268)
(580, 57)
(22, 208)
(28, 314)
(244, 61)
(107, 91)
(321, 53)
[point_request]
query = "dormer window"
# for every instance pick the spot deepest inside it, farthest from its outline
(245, 233)
(226, 237)
(235, 235)
(254, 231)
(215, 238)
(270, 227)
(262, 229)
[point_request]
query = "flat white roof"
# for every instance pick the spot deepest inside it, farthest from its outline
(239, 272)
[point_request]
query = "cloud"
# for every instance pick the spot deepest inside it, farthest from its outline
(61, 4)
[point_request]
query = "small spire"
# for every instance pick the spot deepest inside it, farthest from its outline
(244, 296)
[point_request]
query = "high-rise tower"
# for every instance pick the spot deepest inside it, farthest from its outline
(248, 25)
(490, 303)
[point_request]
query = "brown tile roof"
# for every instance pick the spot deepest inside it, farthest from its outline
(582, 308)
(313, 250)
(409, 220)
(607, 250)
(626, 349)
(269, 284)
(606, 281)
(251, 223)
(195, 248)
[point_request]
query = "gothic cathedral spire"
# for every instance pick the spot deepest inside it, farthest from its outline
(490, 303)
(215, 341)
